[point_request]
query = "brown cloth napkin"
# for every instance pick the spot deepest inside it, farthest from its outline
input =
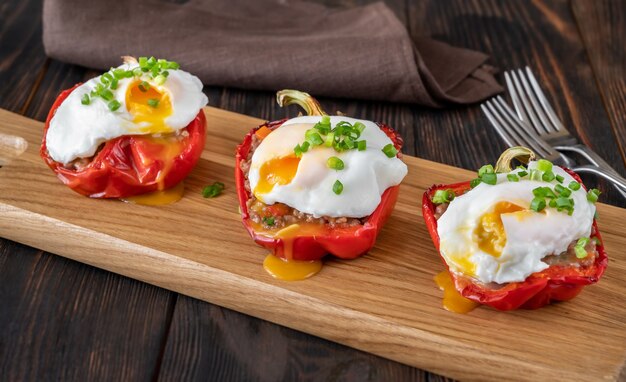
(362, 52)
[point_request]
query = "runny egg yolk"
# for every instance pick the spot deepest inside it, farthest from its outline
(275, 171)
(489, 234)
(149, 108)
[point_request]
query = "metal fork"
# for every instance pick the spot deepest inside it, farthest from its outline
(533, 107)
(516, 132)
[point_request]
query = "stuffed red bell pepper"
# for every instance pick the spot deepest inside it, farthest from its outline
(136, 129)
(316, 185)
(517, 238)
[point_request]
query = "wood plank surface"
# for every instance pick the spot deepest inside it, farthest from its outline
(602, 26)
(386, 302)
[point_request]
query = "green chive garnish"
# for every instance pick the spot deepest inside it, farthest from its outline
(489, 178)
(522, 174)
(159, 79)
(560, 179)
(335, 163)
(337, 187)
(390, 150)
(580, 250)
(562, 191)
(106, 95)
(144, 86)
(313, 137)
(443, 196)
(475, 182)
(574, 185)
(114, 105)
(213, 190)
(548, 176)
(153, 102)
(544, 165)
(361, 145)
(486, 169)
(85, 100)
(593, 194)
(269, 220)
(512, 178)
(538, 204)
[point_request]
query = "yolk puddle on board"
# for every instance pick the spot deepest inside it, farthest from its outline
(286, 268)
(490, 234)
(275, 171)
(152, 118)
(452, 299)
(158, 198)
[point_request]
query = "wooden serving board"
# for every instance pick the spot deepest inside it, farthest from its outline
(385, 303)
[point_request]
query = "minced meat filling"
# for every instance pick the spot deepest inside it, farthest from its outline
(567, 257)
(280, 215)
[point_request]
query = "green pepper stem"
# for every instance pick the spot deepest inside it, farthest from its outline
(522, 154)
(310, 105)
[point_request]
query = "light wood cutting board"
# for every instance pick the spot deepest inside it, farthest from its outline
(385, 303)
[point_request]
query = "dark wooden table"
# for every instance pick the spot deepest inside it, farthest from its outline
(62, 320)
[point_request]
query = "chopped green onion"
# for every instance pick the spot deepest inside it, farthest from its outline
(114, 83)
(574, 185)
(522, 174)
(552, 203)
(390, 150)
(538, 204)
(144, 86)
(560, 179)
(297, 151)
(106, 95)
(359, 126)
(213, 190)
(159, 79)
(544, 165)
(269, 220)
(114, 105)
(153, 102)
(443, 196)
(486, 169)
(489, 178)
(335, 163)
(337, 187)
(143, 61)
(305, 146)
(593, 195)
(475, 182)
(313, 137)
(562, 191)
(581, 252)
(172, 65)
(361, 145)
(330, 139)
(512, 178)
(548, 176)
(85, 100)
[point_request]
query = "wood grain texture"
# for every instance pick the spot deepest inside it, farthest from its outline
(22, 58)
(255, 350)
(62, 320)
(602, 26)
(386, 303)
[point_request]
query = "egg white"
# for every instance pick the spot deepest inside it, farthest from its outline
(76, 130)
(530, 236)
(367, 174)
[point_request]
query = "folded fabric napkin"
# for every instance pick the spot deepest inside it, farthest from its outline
(362, 52)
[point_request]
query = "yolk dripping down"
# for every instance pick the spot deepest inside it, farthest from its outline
(489, 234)
(276, 171)
(453, 301)
(153, 117)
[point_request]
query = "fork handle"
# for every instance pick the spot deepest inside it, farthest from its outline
(620, 184)
(593, 158)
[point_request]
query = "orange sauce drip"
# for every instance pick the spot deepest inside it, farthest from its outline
(453, 301)
(158, 198)
(287, 268)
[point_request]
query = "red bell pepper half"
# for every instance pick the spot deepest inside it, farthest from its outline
(132, 164)
(345, 243)
(556, 283)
